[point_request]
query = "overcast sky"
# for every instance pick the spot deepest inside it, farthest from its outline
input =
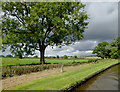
(103, 26)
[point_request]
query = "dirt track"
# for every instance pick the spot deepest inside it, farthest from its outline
(16, 80)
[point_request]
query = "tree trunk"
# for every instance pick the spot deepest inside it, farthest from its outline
(42, 52)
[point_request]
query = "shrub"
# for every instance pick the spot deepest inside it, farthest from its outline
(57, 56)
(9, 56)
(35, 56)
(90, 61)
(2, 56)
(75, 56)
(93, 60)
(4, 75)
(9, 71)
(65, 57)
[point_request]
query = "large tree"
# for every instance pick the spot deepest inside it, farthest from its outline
(114, 46)
(101, 50)
(108, 50)
(30, 26)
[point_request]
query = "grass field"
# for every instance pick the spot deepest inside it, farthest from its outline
(27, 61)
(66, 79)
(16, 66)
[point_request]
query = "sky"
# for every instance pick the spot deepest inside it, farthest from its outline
(103, 26)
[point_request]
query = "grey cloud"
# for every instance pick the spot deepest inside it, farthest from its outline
(77, 49)
(119, 19)
(84, 45)
(111, 10)
(103, 21)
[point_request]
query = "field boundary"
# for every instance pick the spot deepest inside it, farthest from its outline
(88, 78)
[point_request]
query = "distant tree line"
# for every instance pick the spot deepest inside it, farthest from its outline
(64, 57)
(108, 50)
(50, 57)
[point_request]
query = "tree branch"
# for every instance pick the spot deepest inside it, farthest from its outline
(43, 19)
(48, 30)
(37, 49)
(39, 42)
(20, 20)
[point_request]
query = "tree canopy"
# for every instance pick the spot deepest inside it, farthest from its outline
(65, 57)
(108, 50)
(30, 26)
(100, 50)
(114, 46)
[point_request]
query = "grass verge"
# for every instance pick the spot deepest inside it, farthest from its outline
(35, 61)
(64, 80)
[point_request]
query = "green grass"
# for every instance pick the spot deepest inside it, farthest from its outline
(27, 61)
(65, 79)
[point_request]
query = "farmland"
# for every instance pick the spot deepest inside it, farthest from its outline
(15, 66)
(29, 61)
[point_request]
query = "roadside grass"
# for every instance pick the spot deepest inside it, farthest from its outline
(64, 80)
(28, 61)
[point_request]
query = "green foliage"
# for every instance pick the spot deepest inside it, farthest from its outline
(30, 26)
(114, 53)
(10, 71)
(106, 50)
(35, 56)
(100, 50)
(51, 57)
(75, 56)
(65, 57)
(93, 60)
(9, 56)
(2, 56)
(57, 56)
(18, 56)
(115, 48)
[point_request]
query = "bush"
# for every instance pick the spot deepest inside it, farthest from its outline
(35, 56)
(75, 56)
(93, 60)
(9, 56)
(18, 56)
(9, 71)
(57, 56)
(2, 56)
(4, 75)
(53, 57)
(65, 57)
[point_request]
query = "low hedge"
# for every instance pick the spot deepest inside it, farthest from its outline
(10, 71)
